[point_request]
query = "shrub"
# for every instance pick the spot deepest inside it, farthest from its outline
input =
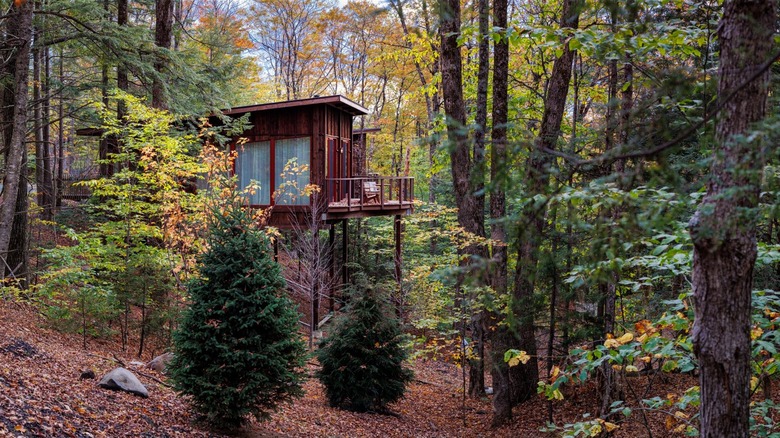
(363, 359)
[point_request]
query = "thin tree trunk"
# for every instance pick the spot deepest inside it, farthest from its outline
(60, 155)
(553, 304)
(37, 119)
(477, 369)
(608, 378)
(723, 229)
(49, 186)
(531, 224)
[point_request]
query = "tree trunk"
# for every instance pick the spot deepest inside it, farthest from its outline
(723, 229)
(464, 175)
(531, 225)
(122, 82)
(608, 378)
(49, 187)
(20, 37)
(163, 34)
(37, 120)
(477, 369)
(501, 340)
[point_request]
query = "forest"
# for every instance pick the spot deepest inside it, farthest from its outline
(506, 218)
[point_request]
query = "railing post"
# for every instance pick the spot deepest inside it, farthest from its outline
(381, 192)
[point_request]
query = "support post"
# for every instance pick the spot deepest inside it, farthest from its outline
(344, 255)
(331, 266)
(397, 229)
(315, 293)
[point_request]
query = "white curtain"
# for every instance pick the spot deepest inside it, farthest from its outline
(254, 163)
(292, 170)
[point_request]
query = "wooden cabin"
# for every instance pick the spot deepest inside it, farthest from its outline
(315, 134)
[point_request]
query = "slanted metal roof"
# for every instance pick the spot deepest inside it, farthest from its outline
(337, 101)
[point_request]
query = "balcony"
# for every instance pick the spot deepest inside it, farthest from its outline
(367, 196)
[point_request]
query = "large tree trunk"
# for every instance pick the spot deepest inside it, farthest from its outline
(464, 175)
(163, 35)
(122, 81)
(19, 37)
(723, 229)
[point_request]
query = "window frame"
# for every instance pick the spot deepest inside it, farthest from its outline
(272, 164)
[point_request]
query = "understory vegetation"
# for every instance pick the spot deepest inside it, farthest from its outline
(595, 203)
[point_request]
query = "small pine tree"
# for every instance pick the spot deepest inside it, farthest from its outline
(362, 360)
(237, 349)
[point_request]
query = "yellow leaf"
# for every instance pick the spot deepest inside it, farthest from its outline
(595, 430)
(753, 383)
(611, 343)
(681, 415)
(670, 422)
(555, 372)
(756, 333)
(626, 338)
(609, 427)
(557, 395)
(617, 367)
(632, 369)
(679, 429)
(522, 357)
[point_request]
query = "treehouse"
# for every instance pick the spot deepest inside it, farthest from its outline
(311, 141)
(298, 143)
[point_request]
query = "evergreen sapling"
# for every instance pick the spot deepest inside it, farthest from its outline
(237, 349)
(363, 359)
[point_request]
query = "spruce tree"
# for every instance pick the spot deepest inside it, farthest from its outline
(363, 359)
(237, 349)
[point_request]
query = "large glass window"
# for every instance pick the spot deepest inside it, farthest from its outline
(254, 164)
(291, 170)
(288, 178)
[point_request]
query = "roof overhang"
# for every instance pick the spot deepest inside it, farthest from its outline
(338, 101)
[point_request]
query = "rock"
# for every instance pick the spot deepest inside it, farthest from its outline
(122, 379)
(87, 374)
(20, 348)
(160, 363)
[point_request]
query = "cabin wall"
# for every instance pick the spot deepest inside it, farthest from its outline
(291, 122)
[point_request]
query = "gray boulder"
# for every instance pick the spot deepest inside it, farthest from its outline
(121, 379)
(160, 363)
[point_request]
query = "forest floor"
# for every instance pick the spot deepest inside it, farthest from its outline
(41, 394)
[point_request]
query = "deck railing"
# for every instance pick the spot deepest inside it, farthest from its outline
(369, 193)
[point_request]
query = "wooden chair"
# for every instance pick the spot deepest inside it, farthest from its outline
(370, 192)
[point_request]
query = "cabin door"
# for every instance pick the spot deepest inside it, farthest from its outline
(337, 169)
(333, 169)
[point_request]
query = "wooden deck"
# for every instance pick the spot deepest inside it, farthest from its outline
(369, 196)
